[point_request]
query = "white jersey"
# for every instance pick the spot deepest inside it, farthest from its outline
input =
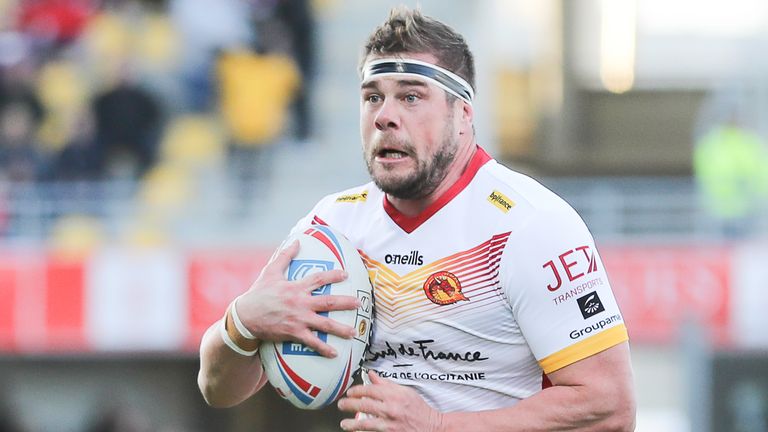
(494, 285)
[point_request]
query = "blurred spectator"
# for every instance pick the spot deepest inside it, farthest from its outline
(19, 157)
(128, 120)
(17, 75)
(289, 26)
(255, 93)
(53, 23)
(20, 113)
(298, 17)
(206, 26)
(142, 34)
(731, 166)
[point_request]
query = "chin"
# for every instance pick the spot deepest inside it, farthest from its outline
(389, 174)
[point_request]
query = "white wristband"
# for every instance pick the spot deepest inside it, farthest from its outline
(239, 324)
(235, 335)
(230, 343)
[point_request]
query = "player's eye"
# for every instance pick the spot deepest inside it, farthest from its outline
(411, 98)
(373, 98)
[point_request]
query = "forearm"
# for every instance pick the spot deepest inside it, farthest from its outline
(272, 309)
(226, 378)
(558, 408)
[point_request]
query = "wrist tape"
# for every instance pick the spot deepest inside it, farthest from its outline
(236, 335)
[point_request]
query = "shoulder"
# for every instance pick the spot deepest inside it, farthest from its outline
(523, 196)
(542, 225)
(352, 198)
(340, 209)
(344, 207)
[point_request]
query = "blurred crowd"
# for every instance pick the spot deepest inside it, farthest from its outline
(149, 91)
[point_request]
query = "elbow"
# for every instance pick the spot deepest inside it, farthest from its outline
(629, 417)
(612, 408)
(623, 416)
(623, 421)
(214, 398)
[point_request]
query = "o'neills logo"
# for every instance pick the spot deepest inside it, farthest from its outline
(413, 258)
(501, 201)
(362, 196)
(443, 288)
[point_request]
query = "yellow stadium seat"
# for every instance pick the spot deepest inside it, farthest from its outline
(108, 39)
(64, 93)
(193, 141)
(146, 232)
(165, 190)
(61, 86)
(76, 235)
(157, 44)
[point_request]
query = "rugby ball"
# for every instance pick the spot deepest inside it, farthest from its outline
(298, 373)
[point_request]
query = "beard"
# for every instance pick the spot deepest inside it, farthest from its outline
(427, 176)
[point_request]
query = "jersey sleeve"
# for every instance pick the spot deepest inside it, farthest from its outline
(558, 289)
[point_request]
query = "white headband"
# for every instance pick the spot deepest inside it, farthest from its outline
(443, 78)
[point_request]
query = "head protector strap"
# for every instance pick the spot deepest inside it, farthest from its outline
(443, 78)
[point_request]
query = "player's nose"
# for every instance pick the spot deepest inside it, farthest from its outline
(387, 116)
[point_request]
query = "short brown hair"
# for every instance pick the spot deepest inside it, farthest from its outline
(408, 31)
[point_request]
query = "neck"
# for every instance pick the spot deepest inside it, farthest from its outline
(413, 207)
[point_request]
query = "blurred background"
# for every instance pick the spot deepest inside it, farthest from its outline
(153, 154)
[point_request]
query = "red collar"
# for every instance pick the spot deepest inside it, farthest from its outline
(409, 224)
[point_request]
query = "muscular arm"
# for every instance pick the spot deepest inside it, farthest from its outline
(594, 394)
(226, 378)
(273, 309)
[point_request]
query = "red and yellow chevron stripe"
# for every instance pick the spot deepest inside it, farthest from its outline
(401, 300)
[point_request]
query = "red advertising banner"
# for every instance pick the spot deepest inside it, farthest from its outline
(8, 288)
(53, 303)
(659, 288)
(65, 303)
(41, 302)
(215, 279)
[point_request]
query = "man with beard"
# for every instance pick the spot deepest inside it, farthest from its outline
(527, 338)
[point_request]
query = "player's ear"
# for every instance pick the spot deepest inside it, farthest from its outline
(467, 111)
(467, 115)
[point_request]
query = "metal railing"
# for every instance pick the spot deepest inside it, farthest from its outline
(29, 211)
(640, 208)
(616, 209)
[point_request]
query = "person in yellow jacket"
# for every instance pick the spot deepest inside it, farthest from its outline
(255, 94)
(731, 166)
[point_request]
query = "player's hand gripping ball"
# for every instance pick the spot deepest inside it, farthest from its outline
(299, 374)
